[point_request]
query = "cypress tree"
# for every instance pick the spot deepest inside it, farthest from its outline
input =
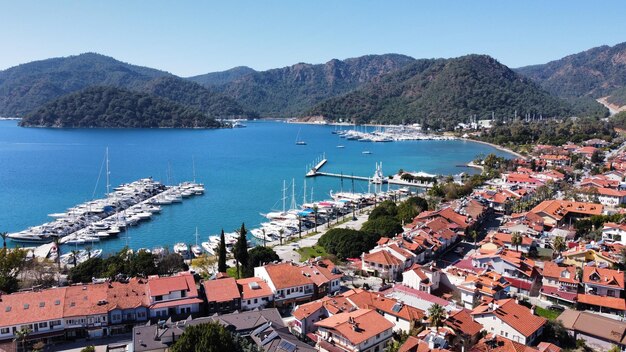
(241, 249)
(221, 254)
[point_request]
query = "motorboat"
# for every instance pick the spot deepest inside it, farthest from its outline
(182, 249)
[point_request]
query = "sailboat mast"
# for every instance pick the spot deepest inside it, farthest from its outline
(293, 195)
(193, 168)
(284, 195)
(304, 194)
(108, 173)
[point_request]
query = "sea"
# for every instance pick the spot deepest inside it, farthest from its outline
(45, 170)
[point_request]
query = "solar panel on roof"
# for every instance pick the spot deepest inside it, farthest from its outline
(396, 307)
(286, 346)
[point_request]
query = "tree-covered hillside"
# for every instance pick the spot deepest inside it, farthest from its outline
(195, 96)
(292, 90)
(596, 72)
(222, 77)
(116, 108)
(439, 93)
(28, 86)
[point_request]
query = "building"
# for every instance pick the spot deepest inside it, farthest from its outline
(487, 284)
(559, 212)
(508, 319)
(604, 290)
(614, 232)
(415, 344)
(422, 278)
(222, 295)
(270, 338)
(599, 333)
(173, 296)
(466, 329)
(255, 293)
(360, 330)
(288, 282)
(383, 264)
(495, 343)
(560, 283)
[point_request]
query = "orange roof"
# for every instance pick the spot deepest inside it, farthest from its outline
(496, 343)
(321, 272)
(462, 321)
(127, 295)
(554, 270)
(33, 306)
(285, 275)
(370, 300)
(602, 276)
(250, 291)
(369, 324)
(516, 316)
(548, 347)
(603, 301)
(83, 300)
(557, 209)
(382, 257)
(159, 286)
(450, 215)
(221, 290)
(413, 344)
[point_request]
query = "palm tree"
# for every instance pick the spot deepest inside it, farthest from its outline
(558, 244)
(74, 256)
(57, 243)
(281, 232)
(4, 239)
(88, 249)
(516, 240)
(20, 336)
(436, 314)
(315, 209)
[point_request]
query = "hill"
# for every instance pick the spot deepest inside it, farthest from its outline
(28, 86)
(292, 90)
(115, 108)
(195, 96)
(222, 77)
(439, 93)
(596, 72)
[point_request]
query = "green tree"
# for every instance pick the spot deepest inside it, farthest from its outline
(558, 244)
(221, 254)
(85, 271)
(240, 249)
(315, 213)
(385, 226)
(74, 254)
(171, 263)
(88, 349)
(347, 243)
(516, 240)
(143, 264)
(21, 336)
(258, 256)
(11, 264)
(436, 315)
(210, 337)
(474, 235)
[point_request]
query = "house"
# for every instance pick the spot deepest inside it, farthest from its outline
(609, 197)
(496, 343)
(487, 284)
(614, 232)
(255, 293)
(271, 338)
(599, 333)
(221, 295)
(508, 319)
(383, 264)
(414, 344)
(555, 159)
(560, 283)
(597, 143)
(422, 278)
(604, 290)
(289, 283)
(600, 181)
(128, 305)
(466, 329)
(325, 276)
(360, 330)
(175, 295)
(587, 152)
(519, 271)
(504, 240)
(584, 253)
(558, 212)
(85, 310)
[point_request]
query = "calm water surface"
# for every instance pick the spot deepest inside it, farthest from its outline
(44, 171)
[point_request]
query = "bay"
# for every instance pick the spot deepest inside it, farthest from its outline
(44, 171)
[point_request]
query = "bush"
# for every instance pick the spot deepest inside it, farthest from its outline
(347, 243)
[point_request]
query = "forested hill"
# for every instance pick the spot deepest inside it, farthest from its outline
(28, 86)
(596, 72)
(116, 108)
(195, 96)
(439, 93)
(292, 90)
(222, 77)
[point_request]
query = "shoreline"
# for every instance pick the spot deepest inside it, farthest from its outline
(499, 147)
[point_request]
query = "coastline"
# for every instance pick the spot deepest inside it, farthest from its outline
(495, 146)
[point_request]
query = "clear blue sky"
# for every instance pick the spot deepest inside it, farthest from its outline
(195, 37)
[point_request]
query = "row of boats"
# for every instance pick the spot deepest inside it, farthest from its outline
(388, 134)
(128, 205)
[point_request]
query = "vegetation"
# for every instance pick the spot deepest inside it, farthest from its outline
(258, 256)
(347, 243)
(555, 333)
(221, 254)
(312, 252)
(619, 120)
(552, 132)
(547, 313)
(211, 337)
(223, 77)
(436, 315)
(441, 93)
(115, 107)
(127, 264)
(451, 190)
(12, 261)
(591, 227)
(595, 72)
(618, 97)
(293, 90)
(240, 251)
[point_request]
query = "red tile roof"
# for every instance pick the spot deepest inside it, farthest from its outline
(495, 343)
(221, 290)
(370, 300)
(174, 303)
(382, 257)
(463, 323)
(247, 292)
(556, 271)
(158, 286)
(368, 321)
(604, 277)
(83, 300)
(27, 307)
(517, 316)
(603, 301)
(413, 344)
(285, 275)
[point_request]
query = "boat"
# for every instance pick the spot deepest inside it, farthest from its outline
(209, 247)
(196, 250)
(182, 249)
(238, 124)
(298, 140)
(366, 152)
(341, 146)
(29, 237)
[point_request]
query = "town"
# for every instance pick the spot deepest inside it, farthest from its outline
(527, 255)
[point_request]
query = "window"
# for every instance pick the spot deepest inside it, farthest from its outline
(256, 300)
(300, 288)
(55, 323)
(610, 293)
(377, 336)
(4, 331)
(43, 325)
(158, 298)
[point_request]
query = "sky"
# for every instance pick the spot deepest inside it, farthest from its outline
(194, 37)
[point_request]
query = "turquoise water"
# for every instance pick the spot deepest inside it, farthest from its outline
(44, 171)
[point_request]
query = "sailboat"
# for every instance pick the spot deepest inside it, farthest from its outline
(298, 140)
(196, 249)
